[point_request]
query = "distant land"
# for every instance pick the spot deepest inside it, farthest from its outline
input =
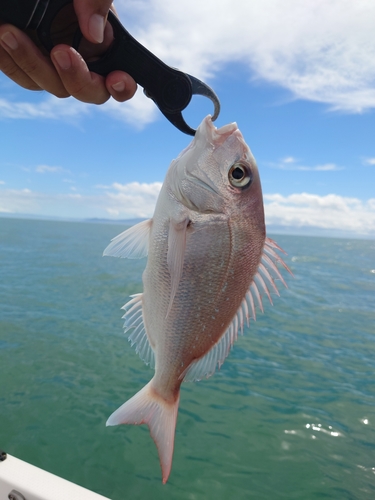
(128, 222)
(271, 228)
(94, 220)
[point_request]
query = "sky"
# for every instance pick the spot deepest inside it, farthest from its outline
(298, 76)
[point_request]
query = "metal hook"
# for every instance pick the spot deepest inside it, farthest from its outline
(192, 86)
(200, 88)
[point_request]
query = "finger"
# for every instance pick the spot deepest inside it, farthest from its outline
(10, 68)
(30, 61)
(76, 77)
(92, 16)
(91, 51)
(121, 86)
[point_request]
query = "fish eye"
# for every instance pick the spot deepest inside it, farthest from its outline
(239, 175)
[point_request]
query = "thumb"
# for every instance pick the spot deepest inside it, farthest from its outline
(92, 16)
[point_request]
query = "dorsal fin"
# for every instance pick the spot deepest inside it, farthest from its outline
(132, 243)
(138, 336)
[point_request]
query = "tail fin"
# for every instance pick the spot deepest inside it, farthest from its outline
(147, 407)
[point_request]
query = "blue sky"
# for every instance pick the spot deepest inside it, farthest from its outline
(297, 77)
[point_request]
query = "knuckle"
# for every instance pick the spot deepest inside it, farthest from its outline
(18, 76)
(32, 86)
(102, 100)
(88, 93)
(9, 68)
(61, 94)
(29, 66)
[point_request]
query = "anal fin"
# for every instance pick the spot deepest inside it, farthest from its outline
(135, 325)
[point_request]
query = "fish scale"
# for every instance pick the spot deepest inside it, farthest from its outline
(209, 262)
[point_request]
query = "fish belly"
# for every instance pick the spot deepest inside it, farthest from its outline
(219, 266)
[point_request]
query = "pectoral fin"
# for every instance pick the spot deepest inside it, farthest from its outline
(176, 254)
(132, 243)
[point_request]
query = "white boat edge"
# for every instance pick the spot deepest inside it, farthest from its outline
(26, 481)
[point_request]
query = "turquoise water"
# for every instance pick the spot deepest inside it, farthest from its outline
(290, 415)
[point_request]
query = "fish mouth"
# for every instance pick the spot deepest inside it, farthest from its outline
(216, 135)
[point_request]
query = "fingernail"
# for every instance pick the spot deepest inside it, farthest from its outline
(63, 59)
(96, 27)
(119, 86)
(9, 40)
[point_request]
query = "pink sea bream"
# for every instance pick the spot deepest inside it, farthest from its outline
(209, 262)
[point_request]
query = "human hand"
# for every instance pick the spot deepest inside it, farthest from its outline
(65, 73)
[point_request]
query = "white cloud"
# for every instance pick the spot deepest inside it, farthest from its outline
(139, 111)
(326, 212)
(290, 163)
(42, 169)
(369, 161)
(18, 201)
(320, 51)
(44, 107)
(119, 201)
(123, 201)
(2, 182)
(132, 200)
(326, 166)
(288, 159)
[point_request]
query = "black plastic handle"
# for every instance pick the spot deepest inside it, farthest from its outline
(23, 13)
(169, 88)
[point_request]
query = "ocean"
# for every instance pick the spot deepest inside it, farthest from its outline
(290, 414)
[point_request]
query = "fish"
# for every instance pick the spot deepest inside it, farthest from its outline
(209, 263)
